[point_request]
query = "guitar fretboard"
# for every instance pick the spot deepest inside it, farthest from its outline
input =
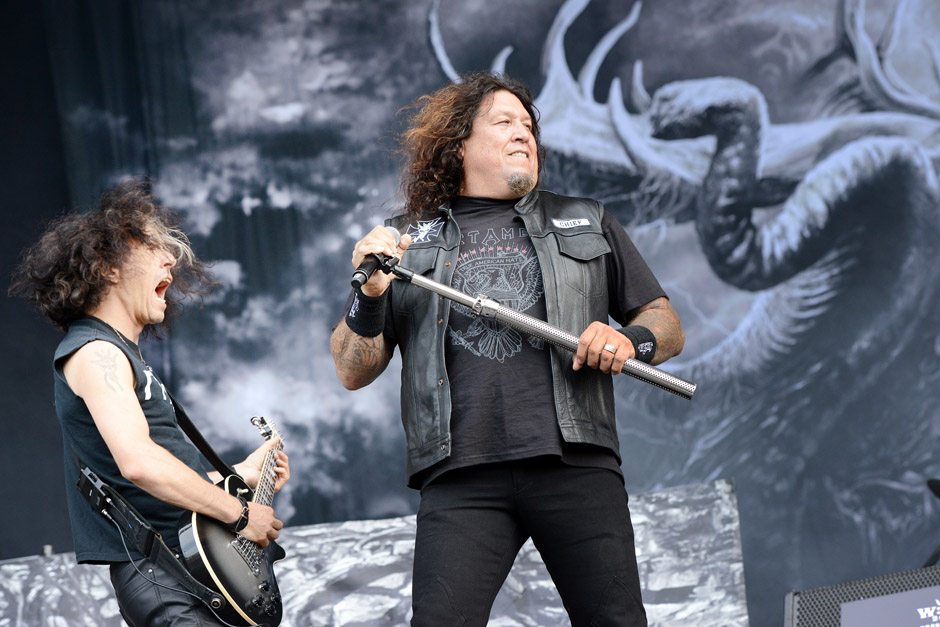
(264, 492)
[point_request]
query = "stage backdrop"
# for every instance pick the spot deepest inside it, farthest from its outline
(814, 336)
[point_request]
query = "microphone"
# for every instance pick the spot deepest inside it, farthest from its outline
(372, 263)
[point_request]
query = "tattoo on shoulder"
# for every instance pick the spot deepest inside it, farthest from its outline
(108, 364)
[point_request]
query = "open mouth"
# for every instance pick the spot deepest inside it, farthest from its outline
(161, 289)
(525, 155)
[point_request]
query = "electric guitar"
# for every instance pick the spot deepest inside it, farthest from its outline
(240, 570)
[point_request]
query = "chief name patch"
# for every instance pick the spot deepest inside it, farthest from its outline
(570, 224)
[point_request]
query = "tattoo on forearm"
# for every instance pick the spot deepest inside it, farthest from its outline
(360, 358)
(663, 321)
(108, 364)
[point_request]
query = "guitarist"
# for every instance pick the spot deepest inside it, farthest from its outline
(105, 277)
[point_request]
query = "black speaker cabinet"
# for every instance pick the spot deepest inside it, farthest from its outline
(907, 599)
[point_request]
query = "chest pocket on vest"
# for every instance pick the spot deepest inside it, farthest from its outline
(582, 267)
(406, 298)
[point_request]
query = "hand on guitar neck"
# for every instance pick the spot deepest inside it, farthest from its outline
(267, 459)
(271, 454)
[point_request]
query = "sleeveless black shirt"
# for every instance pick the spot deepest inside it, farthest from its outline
(96, 539)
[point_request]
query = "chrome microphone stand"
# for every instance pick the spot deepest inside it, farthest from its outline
(488, 308)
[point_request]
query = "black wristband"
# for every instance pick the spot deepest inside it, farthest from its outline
(366, 315)
(242, 521)
(643, 340)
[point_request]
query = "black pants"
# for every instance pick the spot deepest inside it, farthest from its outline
(145, 604)
(473, 521)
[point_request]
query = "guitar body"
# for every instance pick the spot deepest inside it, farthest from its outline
(238, 569)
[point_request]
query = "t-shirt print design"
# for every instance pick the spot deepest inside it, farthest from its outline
(507, 271)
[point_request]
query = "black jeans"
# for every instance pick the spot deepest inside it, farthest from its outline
(145, 604)
(473, 521)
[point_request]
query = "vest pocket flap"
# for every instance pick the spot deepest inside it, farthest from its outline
(420, 259)
(582, 246)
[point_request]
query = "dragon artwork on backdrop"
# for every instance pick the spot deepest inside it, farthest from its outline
(821, 235)
(801, 255)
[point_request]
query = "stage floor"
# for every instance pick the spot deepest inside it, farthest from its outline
(358, 573)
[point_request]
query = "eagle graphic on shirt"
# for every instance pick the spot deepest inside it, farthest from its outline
(507, 271)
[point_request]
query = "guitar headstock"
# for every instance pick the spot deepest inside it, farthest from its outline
(267, 428)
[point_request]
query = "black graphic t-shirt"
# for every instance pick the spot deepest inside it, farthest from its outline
(501, 379)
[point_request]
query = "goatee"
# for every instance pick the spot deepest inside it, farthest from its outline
(521, 184)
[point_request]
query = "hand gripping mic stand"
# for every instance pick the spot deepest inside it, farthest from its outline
(488, 308)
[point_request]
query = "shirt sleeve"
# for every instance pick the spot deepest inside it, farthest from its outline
(630, 281)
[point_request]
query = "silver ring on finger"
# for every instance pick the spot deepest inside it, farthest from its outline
(610, 348)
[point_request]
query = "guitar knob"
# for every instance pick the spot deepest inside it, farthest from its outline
(270, 609)
(275, 598)
(257, 601)
(264, 586)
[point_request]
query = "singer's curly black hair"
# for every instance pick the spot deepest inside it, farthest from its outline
(67, 272)
(430, 147)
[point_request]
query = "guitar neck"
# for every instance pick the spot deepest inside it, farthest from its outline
(264, 491)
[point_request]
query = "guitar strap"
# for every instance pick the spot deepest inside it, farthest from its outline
(140, 533)
(186, 424)
(136, 529)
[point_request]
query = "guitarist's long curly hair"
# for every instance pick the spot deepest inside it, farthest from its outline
(66, 273)
(432, 170)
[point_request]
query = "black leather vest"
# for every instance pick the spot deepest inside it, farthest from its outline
(570, 245)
